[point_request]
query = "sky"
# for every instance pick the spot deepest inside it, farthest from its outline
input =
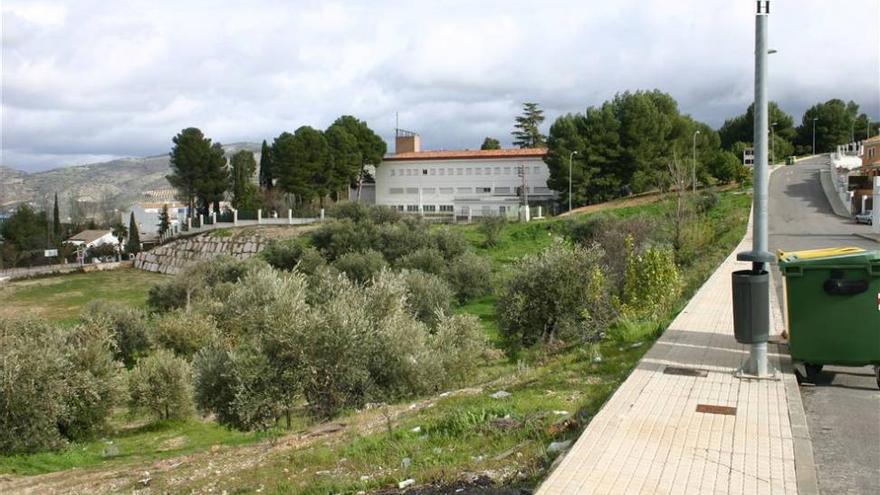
(89, 81)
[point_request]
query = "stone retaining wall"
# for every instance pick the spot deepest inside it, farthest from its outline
(173, 257)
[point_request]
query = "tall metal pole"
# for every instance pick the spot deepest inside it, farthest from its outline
(772, 144)
(814, 134)
(570, 157)
(694, 178)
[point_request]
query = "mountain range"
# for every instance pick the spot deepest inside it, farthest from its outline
(122, 181)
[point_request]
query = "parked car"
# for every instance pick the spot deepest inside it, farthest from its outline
(866, 217)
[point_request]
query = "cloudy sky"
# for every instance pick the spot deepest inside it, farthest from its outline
(87, 81)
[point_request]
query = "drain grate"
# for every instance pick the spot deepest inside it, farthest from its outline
(676, 370)
(710, 409)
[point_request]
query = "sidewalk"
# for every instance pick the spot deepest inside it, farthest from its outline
(650, 438)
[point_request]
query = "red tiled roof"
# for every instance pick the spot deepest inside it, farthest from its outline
(465, 154)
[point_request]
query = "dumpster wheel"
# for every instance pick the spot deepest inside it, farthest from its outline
(877, 372)
(810, 372)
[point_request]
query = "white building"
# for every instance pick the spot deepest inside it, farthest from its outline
(93, 238)
(146, 215)
(466, 182)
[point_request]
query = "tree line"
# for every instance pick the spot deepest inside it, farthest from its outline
(309, 165)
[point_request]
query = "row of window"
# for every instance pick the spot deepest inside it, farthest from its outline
(467, 190)
(485, 209)
(466, 171)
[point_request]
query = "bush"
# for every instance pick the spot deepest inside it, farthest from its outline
(652, 284)
(161, 384)
(183, 332)
(491, 227)
(292, 253)
(458, 341)
(449, 242)
(470, 276)
(169, 295)
(199, 280)
(129, 325)
(356, 212)
(380, 214)
(215, 383)
(428, 260)
(360, 266)
(93, 380)
(32, 386)
(560, 292)
(427, 295)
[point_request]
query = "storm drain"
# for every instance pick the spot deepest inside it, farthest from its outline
(676, 370)
(711, 409)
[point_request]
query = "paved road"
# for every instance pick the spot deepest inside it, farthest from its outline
(843, 409)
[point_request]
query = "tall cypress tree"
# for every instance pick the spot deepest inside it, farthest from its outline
(266, 172)
(56, 222)
(134, 238)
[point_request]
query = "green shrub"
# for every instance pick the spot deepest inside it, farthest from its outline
(93, 380)
(168, 295)
(338, 237)
(380, 214)
(356, 212)
(129, 325)
(492, 227)
(161, 385)
(560, 292)
(199, 280)
(652, 284)
(470, 276)
(428, 260)
(32, 385)
(427, 295)
(292, 253)
(450, 242)
(183, 332)
(360, 266)
(216, 384)
(458, 341)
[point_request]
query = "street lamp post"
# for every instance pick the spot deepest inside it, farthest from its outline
(814, 134)
(570, 157)
(694, 177)
(772, 144)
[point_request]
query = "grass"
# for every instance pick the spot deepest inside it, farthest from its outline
(129, 441)
(61, 298)
(554, 393)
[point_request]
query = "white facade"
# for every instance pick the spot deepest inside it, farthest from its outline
(146, 215)
(469, 183)
(93, 241)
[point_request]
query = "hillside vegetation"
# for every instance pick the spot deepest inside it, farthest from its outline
(483, 387)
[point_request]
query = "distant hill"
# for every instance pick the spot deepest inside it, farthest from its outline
(121, 181)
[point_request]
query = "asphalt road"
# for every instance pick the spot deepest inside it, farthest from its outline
(843, 408)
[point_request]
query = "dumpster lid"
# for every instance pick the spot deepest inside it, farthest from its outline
(839, 256)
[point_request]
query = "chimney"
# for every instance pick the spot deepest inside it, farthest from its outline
(406, 142)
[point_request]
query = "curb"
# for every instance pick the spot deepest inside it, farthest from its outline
(870, 237)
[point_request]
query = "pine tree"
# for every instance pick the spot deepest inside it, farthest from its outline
(164, 222)
(266, 172)
(198, 170)
(527, 133)
(134, 239)
(243, 168)
(56, 222)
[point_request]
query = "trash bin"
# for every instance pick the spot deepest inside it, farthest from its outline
(832, 307)
(751, 306)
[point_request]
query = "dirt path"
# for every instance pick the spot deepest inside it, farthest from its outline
(216, 462)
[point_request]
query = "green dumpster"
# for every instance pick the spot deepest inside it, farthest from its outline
(832, 306)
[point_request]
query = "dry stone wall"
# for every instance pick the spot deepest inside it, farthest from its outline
(173, 257)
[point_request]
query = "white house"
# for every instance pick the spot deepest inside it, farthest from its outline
(466, 182)
(93, 238)
(146, 215)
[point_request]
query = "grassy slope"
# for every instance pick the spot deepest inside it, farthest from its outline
(61, 298)
(456, 435)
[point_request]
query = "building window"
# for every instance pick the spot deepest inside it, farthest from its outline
(540, 190)
(506, 170)
(400, 208)
(502, 210)
(477, 171)
(412, 208)
(449, 171)
(392, 172)
(429, 190)
(396, 190)
(447, 208)
(487, 210)
(484, 189)
(502, 190)
(433, 171)
(425, 171)
(447, 190)
(497, 170)
(412, 190)
(464, 190)
(408, 172)
(488, 170)
(442, 170)
(535, 169)
(429, 208)
(458, 171)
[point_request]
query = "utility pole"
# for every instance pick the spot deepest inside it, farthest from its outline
(772, 144)
(570, 157)
(694, 184)
(751, 288)
(814, 134)
(522, 170)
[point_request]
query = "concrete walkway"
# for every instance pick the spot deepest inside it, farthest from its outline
(651, 436)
